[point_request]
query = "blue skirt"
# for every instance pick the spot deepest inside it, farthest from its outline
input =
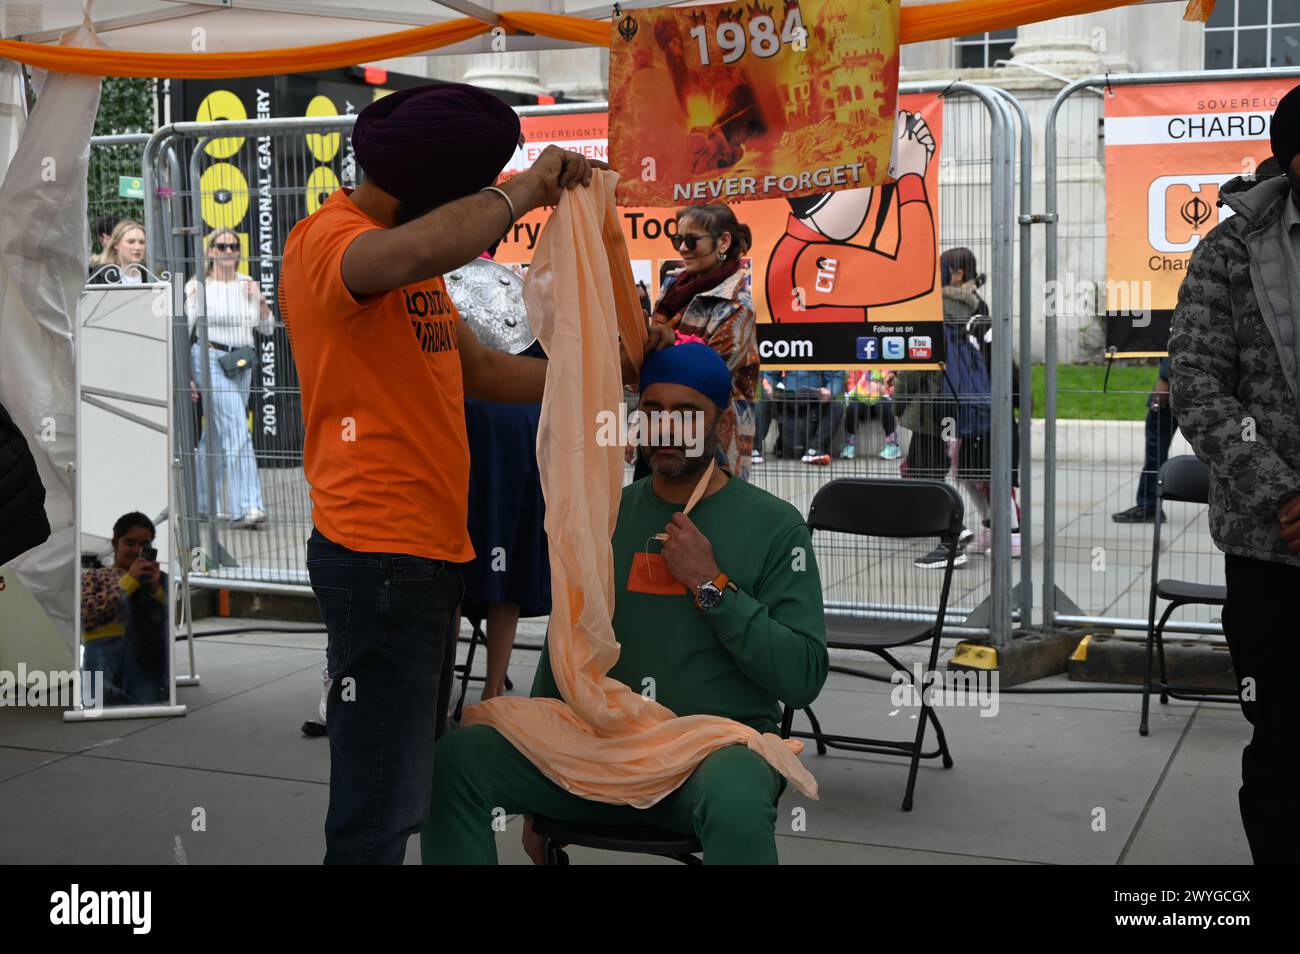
(506, 510)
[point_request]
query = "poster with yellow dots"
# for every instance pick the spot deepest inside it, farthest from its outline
(257, 185)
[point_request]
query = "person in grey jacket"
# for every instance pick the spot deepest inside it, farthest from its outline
(1234, 361)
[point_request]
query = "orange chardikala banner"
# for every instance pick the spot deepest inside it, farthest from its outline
(1169, 147)
(832, 276)
(757, 99)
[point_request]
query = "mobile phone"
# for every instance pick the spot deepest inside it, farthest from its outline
(148, 553)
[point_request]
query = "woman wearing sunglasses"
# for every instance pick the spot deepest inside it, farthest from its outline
(232, 306)
(709, 297)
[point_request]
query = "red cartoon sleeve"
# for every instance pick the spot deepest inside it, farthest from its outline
(875, 279)
(913, 267)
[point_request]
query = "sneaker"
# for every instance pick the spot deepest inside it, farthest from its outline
(849, 452)
(808, 456)
(982, 542)
(756, 457)
(252, 518)
(964, 538)
(1137, 515)
(891, 451)
(937, 558)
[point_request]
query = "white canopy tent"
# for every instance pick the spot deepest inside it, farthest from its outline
(229, 25)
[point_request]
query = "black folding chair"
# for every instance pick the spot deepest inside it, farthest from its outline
(629, 839)
(475, 616)
(901, 509)
(1184, 479)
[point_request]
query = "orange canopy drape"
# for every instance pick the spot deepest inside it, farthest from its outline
(934, 22)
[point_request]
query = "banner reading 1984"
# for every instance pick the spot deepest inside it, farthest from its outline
(752, 100)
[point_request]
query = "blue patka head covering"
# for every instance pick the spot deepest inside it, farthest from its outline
(692, 364)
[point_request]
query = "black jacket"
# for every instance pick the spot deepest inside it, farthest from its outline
(23, 523)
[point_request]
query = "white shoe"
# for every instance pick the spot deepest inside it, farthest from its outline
(251, 518)
(809, 456)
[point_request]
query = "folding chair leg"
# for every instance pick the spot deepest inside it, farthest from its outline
(943, 741)
(1160, 651)
(817, 730)
(555, 854)
(916, 754)
(474, 638)
(1143, 726)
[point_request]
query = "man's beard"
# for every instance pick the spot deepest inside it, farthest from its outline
(686, 467)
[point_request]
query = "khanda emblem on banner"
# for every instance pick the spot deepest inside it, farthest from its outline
(1166, 205)
(1196, 212)
(627, 26)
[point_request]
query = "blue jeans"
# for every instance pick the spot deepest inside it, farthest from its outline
(392, 646)
(1160, 427)
(103, 655)
(227, 439)
(146, 653)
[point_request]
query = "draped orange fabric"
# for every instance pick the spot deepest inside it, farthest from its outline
(917, 24)
(601, 741)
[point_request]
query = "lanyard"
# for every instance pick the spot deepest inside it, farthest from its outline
(696, 494)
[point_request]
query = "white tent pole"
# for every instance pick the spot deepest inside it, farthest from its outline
(471, 9)
(108, 24)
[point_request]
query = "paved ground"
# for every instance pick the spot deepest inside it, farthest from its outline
(1058, 779)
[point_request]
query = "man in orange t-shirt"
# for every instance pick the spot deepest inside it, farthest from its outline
(385, 363)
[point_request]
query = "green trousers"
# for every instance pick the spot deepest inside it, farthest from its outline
(728, 803)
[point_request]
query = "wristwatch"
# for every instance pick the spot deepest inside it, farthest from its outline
(709, 593)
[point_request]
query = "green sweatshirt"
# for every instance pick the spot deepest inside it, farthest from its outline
(758, 648)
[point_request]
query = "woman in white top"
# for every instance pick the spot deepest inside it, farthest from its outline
(232, 307)
(124, 252)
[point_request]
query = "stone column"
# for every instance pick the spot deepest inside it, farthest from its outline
(516, 72)
(1068, 45)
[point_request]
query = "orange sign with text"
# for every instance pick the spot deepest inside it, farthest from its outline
(1169, 148)
(838, 279)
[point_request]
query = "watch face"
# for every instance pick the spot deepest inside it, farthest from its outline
(708, 596)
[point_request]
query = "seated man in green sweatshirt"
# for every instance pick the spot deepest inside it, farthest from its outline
(727, 621)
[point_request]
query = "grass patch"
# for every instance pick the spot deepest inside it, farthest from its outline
(1079, 391)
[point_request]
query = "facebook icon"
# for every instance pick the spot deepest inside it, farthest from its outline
(868, 349)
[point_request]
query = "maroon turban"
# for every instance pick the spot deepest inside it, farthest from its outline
(432, 144)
